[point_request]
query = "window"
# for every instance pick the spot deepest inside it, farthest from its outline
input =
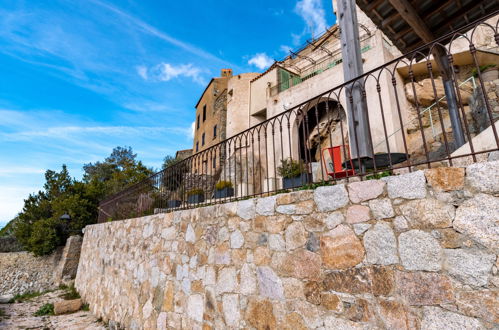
(202, 140)
(204, 112)
(198, 122)
(197, 146)
(214, 162)
(215, 132)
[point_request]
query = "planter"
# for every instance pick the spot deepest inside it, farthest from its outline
(223, 193)
(288, 183)
(195, 199)
(490, 74)
(174, 203)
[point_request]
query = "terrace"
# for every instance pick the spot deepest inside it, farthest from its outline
(257, 161)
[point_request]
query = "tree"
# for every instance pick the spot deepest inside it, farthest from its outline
(119, 170)
(39, 227)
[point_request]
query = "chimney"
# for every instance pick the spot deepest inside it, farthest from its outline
(226, 73)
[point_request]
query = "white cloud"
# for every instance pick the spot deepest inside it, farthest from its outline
(285, 49)
(142, 71)
(159, 34)
(193, 129)
(313, 14)
(261, 61)
(167, 72)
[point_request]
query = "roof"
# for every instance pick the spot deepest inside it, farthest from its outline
(437, 18)
(204, 92)
(313, 43)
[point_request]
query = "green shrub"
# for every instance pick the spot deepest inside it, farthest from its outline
(474, 71)
(25, 297)
(194, 192)
(85, 307)
(290, 168)
(378, 176)
(44, 237)
(47, 309)
(223, 184)
(71, 293)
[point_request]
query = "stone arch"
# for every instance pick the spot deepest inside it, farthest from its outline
(321, 124)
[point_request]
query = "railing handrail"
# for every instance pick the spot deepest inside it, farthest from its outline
(472, 78)
(345, 84)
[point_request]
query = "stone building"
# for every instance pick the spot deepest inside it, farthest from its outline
(252, 156)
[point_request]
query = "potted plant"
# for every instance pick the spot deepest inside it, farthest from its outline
(173, 203)
(488, 72)
(293, 174)
(195, 196)
(224, 189)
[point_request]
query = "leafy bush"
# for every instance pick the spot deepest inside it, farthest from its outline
(223, 184)
(474, 71)
(71, 293)
(47, 309)
(38, 227)
(290, 168)
(25, 297)
(194, 192)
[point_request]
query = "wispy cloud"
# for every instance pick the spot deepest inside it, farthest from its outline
(167, 72)
(142, 71)
(285, 49)
(313, 14)
(261, 61)
(157, 33)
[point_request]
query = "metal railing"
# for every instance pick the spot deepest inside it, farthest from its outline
(285, 150)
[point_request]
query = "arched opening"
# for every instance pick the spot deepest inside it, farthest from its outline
(321, 126)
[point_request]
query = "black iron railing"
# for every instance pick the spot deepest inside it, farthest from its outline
(408, 118)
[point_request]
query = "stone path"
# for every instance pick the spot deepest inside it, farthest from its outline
(20, 316)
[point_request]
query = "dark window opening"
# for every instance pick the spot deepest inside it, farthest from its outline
(202, 140)
(214, 162)
(198, 123)
(215, 132)
(197, 146)
(204, 112)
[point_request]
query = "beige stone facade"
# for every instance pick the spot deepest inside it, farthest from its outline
(415, 251)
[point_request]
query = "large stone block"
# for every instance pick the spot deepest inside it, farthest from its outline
(394, 314)
(381, 208)
(269, 283)
(341, 249)
(301, 264)
(358, 213)
(330, 198)
(365, 190)
(266, 205)
(445, 178)
(295, 236)
(260, 314)
(418, 250)
(436, 318)
(420, 288)
(478, 218)
(381, 245)
(408, 186)
(483, 304)
(231, 310)
(67, 306)
(195, 307)
(428, 213)
(484, 177)
(374, 280)
(246, 209)
(472, 267)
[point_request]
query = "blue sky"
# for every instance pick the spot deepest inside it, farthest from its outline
(81, 77)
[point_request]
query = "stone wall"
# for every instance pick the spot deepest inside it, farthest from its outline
(417, 250)
(22, 272)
